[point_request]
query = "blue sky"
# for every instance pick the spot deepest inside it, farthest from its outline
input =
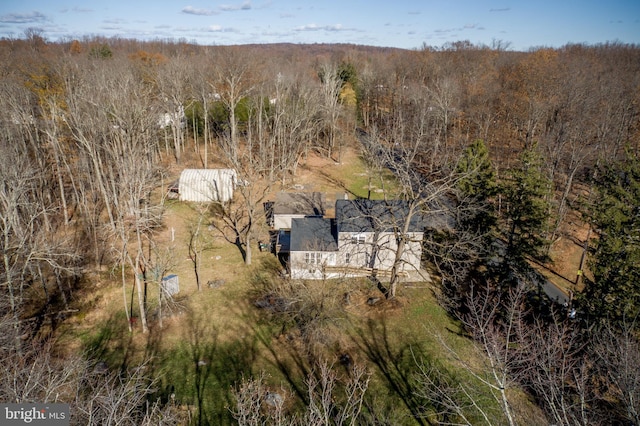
(396, 23)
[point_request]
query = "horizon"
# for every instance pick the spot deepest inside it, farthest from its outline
(404, 24)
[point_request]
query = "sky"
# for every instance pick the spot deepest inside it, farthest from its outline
(408, 24)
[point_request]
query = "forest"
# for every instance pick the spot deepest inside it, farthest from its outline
(525, 154)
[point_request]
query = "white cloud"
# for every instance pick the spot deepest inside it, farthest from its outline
(23, 18)
(316, 27)
(115, 21)
(195, 11)
(218, 29)
(233, 7)
(111, 27)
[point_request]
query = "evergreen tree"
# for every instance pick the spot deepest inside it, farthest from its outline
(528, 208)
(476, 188)
(461, 249)
(614, 290)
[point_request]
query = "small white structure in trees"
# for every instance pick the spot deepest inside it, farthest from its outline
(170, 285)
(175, 119)
(207, 185)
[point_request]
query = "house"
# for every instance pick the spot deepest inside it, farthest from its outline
(207, 185)
(369, 232)
(363, 237)
(176, 119)
(313, 247)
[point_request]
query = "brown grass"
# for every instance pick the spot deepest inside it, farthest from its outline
(387, 335)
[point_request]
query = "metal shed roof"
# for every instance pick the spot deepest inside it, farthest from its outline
(207, 185)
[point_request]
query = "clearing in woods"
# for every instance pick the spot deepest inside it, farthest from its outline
(219, 328)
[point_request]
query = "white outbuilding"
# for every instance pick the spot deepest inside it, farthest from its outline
(207, 185)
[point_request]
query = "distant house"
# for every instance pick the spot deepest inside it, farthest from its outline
(176, 119)
(363, 237)
(207, 185)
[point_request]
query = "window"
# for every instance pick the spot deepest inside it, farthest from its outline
(312, 258)
(347, 258)
(357, 239)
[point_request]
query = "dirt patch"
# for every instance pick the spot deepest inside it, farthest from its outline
(566, 253)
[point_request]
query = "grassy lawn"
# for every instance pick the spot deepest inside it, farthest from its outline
(211, 339)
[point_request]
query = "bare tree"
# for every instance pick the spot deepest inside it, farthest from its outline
(449, 400)
(106, 397)
(173, 86)
(198, 243)
(556, 370)
(96, 395)
(256, 404)
(26, 244)
(291, 125)
(239, 219)
(495, 320)
(118, 141)
(331, 108)
(424, 195)
(324, 408)
(332, 399)
(232, 84)
(618, 351)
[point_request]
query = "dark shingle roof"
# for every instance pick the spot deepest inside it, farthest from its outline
(375, 215)
(313, 234)
(304, 203)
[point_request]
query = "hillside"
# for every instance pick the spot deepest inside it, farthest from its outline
(213, 339)
(522, 162)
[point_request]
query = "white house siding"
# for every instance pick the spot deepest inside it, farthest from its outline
(317, 269)
(327, 265)
(356, 253)
(207, 185)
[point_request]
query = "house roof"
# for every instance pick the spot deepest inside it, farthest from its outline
(313, 234)
(375, 215)
(299, 203)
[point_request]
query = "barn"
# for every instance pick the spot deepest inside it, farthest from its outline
(207, 185)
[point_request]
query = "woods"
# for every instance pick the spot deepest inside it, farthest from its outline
(511, 151)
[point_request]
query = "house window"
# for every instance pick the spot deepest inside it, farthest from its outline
(357, 239)
(312, 258)
(347, 258)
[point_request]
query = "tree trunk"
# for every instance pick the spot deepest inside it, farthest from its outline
(247, 252)
(140, 290)
(124, 291)
(393, 282)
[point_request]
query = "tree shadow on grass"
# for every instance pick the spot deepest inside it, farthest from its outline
(288, 359)
(396, 363)
(197, 374)
(112, 345)
(202, 370)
